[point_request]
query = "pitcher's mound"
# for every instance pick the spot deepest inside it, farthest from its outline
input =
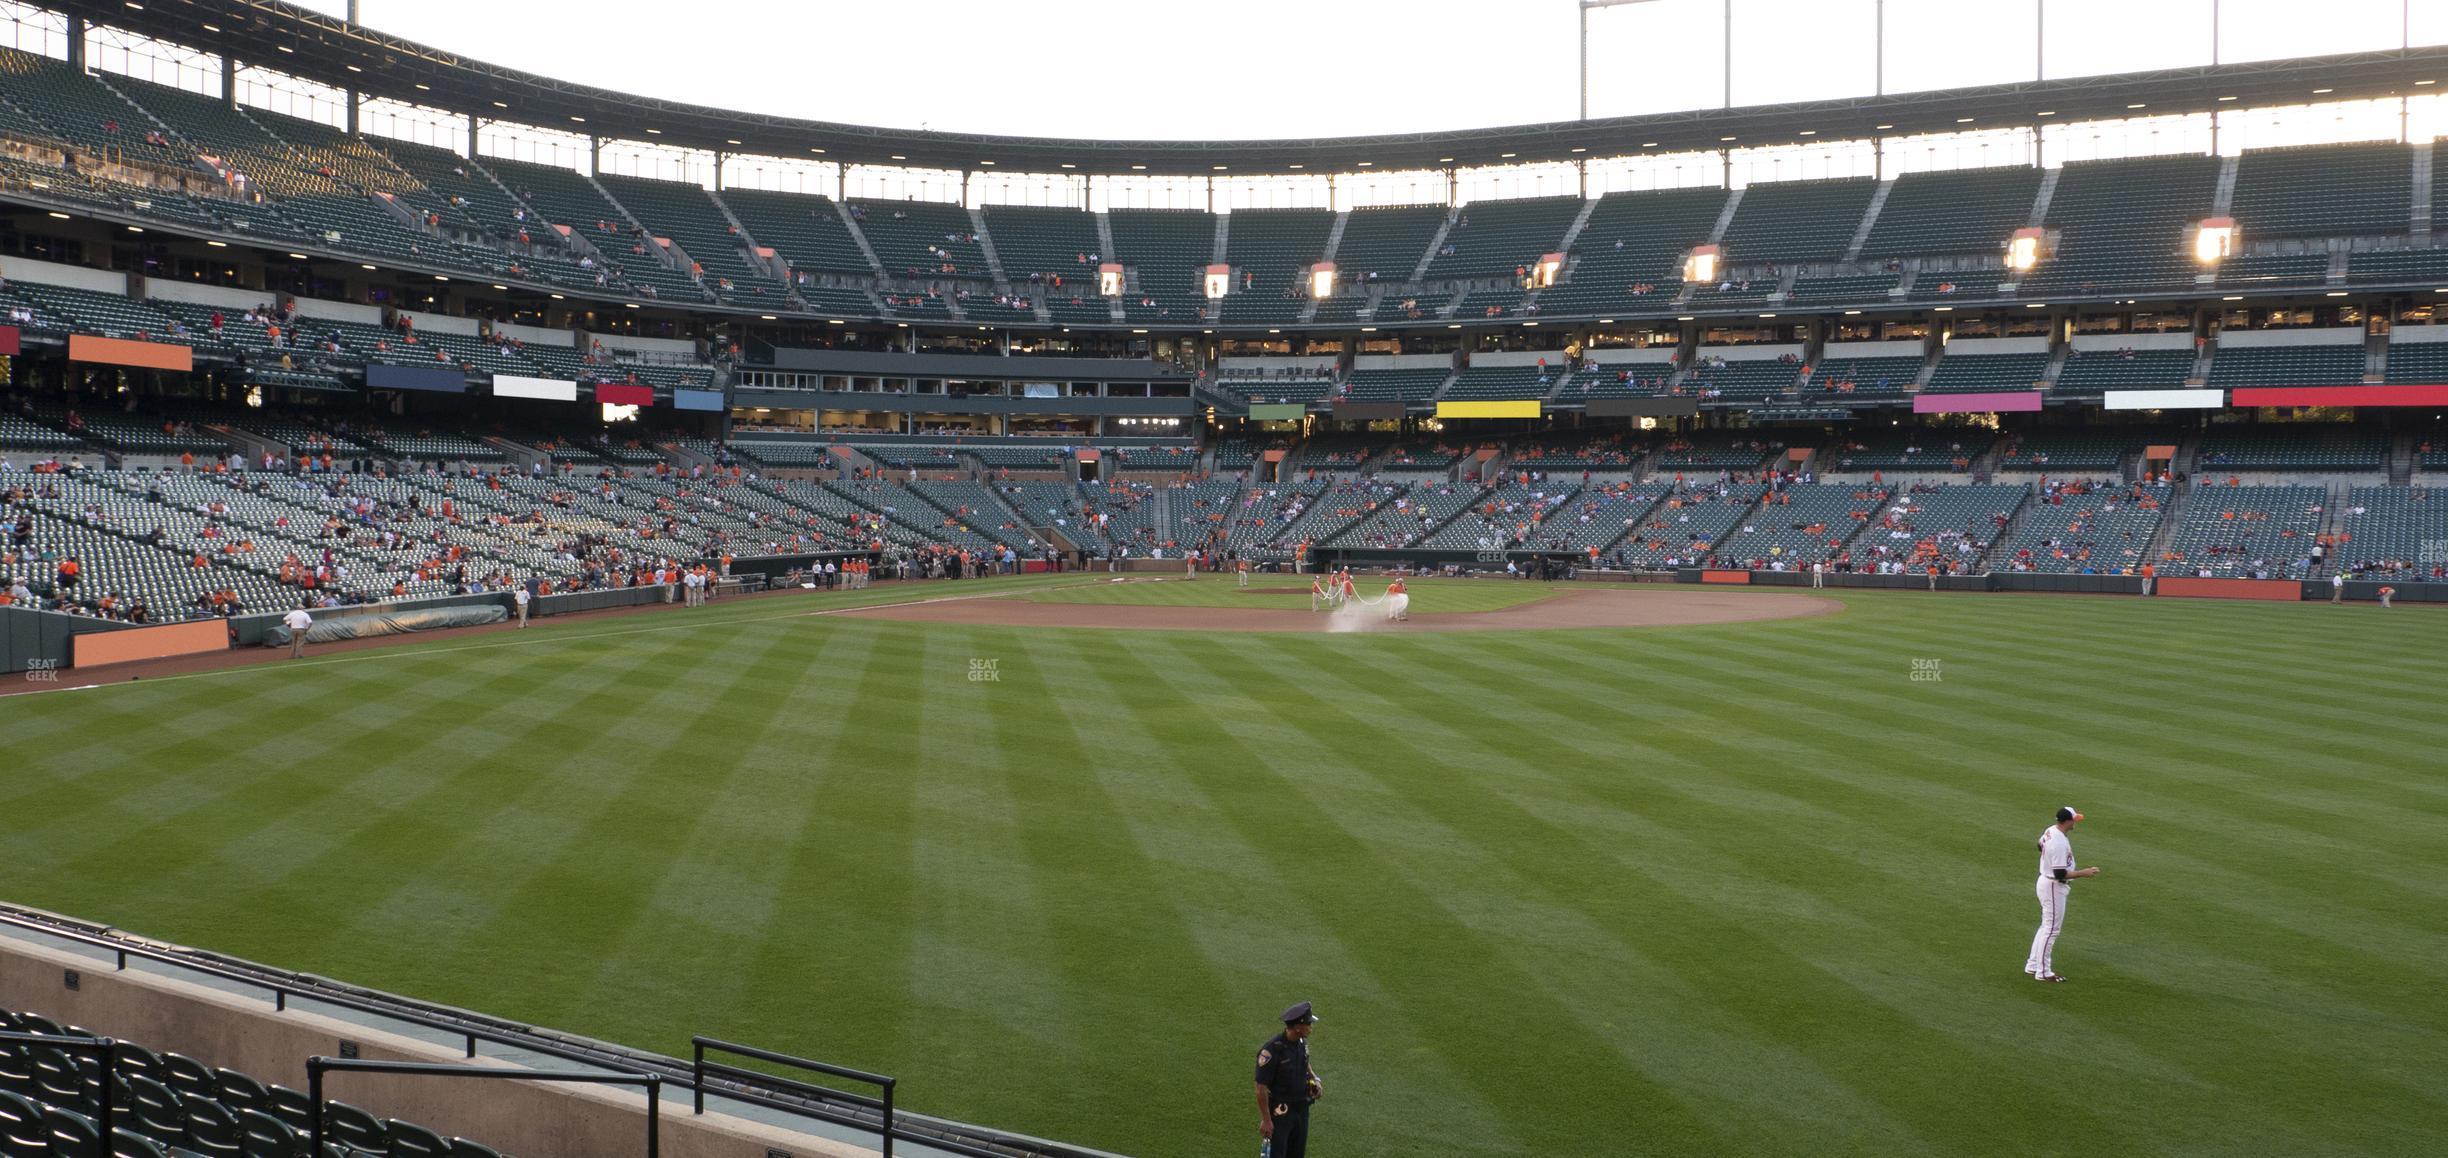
(1649, 607)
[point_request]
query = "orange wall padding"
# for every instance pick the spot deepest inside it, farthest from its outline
(100, 647)
(1725, 576)
(121, 352)
(2287, 590)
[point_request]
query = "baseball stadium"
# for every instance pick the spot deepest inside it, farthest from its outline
(553, 619)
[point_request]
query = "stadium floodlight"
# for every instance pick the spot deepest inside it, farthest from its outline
(1700, 268)
(1109, 279)
(1544, 273)
(2214, 239)
(1322, 280)
(1219, 281)
(2023, 249)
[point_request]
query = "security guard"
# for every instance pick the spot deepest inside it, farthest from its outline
(1286, 1086)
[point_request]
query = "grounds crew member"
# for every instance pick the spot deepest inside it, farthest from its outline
(1286, 1086)
(298, 622)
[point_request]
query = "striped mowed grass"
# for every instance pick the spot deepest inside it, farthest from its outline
(1739, 889)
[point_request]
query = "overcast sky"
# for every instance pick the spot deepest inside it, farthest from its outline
(1225, 69)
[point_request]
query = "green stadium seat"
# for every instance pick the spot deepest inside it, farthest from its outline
(409, 1140)
(240, 1092)
(73, 1135)
(128, 1144)
(355, 1128)
(212, 1129)
(151, 1109)
(22, 1133)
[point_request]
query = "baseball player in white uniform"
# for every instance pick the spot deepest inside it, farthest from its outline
(2057, 874)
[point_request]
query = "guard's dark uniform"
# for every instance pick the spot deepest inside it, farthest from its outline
(1283, 1068)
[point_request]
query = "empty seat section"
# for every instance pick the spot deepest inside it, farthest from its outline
(2358, 190)
(1167, 252)
(1271, 250)
(2288, 446)
(2122, 224)
(1864, 376)
(1506, 382)
(1412, 386)
(686, 213)
(1503, 238)
(1629, 254)
(2089, 373)
(2341, 364)
(1386, 243)
(1978, 373)
(920, 239)
(1953, 211)
(1793, 221)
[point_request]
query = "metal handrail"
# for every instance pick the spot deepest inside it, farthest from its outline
(702, 1067)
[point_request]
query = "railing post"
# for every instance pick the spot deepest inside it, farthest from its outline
(471, 1044)
(888, 1118)
(110, 1076)
(314, 1093)
(654, 1117)
(697, 1073)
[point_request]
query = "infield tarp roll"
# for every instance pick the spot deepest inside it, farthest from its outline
(367, 625)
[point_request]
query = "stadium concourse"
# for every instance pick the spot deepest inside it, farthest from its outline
(1793, 503)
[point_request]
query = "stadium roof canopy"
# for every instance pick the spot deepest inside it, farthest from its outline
(331, 51)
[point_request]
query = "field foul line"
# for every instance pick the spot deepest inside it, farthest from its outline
(391, 653)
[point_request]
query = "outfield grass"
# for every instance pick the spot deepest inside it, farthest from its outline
(1741, 889)
(1427, 595)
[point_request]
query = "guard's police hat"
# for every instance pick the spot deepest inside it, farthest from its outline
(1299, 1014)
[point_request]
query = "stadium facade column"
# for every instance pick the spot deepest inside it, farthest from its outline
(76, 45)
(229, 81)
(353, 101)
(595, 156)
(471, 144)
(718, 170)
